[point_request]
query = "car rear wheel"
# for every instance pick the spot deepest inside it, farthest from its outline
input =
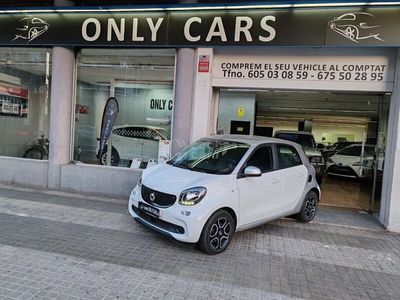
(309, 207)
(34, 153)
(217, 233)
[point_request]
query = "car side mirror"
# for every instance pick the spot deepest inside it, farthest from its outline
(320, 146)
(251, 171)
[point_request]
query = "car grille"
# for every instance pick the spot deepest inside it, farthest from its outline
(158, 223)
(158, 198)
(341, 170)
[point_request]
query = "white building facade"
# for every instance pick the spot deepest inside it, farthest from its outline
(191, 71)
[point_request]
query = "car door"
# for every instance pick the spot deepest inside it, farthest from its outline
(150, 143)
(258, 195)
(132, 146)
(292, 176)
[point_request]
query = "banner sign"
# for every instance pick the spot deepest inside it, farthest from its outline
(283, 68)
(355, 26)
(109, 115)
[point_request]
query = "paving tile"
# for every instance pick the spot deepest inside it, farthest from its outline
(65, 246)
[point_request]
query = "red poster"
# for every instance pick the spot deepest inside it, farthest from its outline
(204, 64)
(13, 101)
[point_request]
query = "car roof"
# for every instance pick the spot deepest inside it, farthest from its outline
(249, 139)
(144, 126)
(293, 131)
(360, 145)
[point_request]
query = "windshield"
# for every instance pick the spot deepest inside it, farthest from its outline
(210, 156)
(356, 151)
(164, 133)
(305, 140)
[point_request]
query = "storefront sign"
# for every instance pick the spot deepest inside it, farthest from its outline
(161, 104)
(354, 26)
(305, 71)
(274, 69)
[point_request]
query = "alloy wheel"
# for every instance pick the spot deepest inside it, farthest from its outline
(220, 232)
(311, 206)
(104, 159)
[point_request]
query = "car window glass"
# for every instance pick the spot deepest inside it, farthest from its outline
(369, 151)
(351, 151)
(305, 140)
(262, 159)
(134, 132)
(164, 134)
(288, 156)
(119, 131)
(149, 134)
(211, 156)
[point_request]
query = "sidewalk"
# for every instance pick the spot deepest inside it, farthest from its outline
(56, 245)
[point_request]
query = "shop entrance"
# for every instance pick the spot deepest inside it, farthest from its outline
(343, 134)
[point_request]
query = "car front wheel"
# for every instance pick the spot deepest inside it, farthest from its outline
(114, 157)
(217, 233)
(309, 207)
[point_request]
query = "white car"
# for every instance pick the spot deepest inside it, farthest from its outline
(134, 141)
(222, 184)
(348, 162)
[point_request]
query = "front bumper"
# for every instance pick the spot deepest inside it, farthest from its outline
(342, 171)
(181, 223)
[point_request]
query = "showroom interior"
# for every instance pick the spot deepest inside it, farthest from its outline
(331, 117)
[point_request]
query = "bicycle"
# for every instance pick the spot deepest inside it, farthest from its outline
(39, 151)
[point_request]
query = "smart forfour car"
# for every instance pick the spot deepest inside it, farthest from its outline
(222, 184)
(307, 141)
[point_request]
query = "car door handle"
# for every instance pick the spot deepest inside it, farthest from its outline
(275, 180)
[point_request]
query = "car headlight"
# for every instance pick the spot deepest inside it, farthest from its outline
(360, 163)
(192, 196)
(315, 159)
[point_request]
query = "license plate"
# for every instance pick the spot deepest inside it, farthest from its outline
(155, 212)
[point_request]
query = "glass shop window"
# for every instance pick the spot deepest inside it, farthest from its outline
(142, 81)
(24, 102)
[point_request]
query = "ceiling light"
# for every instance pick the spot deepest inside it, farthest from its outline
(197, 7)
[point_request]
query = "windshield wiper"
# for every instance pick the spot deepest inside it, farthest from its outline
(198, 170)
(180, 165)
